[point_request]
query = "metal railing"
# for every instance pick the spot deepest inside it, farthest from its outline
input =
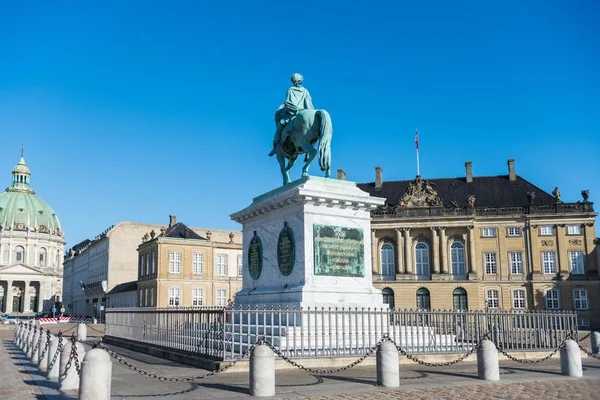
(225, 334)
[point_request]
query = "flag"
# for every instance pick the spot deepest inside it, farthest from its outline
(417, 139)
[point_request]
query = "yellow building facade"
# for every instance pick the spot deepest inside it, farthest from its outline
(496, 242)
(188, 267)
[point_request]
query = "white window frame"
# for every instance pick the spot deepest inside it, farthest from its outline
(552, 299)
(221, 297)
(576, 262)
(221, 265)
(492, 297)
(574, 230)
(513, 231)
(490, 263)
(42, 257)
(549, 262)
(518, 298)
(240, 265)
(174, 294)
(147, 264)
(197, 297)
(516, 262)
(581, 299)
(198, 263)
(146, 297)
(153, 262)
(546, 230)
(151, 297)
(422, 266)
(174, 262)
(488, 232)
(20, 254)
(458, 266)
(386, 259)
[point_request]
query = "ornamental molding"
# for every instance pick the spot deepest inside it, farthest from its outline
(547, 243)
(575, 242)
(420, 193)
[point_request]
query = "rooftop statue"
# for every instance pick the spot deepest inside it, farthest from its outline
(298, 128)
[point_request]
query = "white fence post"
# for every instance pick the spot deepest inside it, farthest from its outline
(262, 371)
(96, 374)
(69, 379)
(388, 368)
(570, 359)
(488, 367)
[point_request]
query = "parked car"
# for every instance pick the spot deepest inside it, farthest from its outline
(10, 319)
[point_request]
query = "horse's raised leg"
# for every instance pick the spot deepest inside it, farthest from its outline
(284, 171)
(310, 156)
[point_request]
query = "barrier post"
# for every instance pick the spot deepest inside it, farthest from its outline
(488, 367)
(388, 368)
(69, 378)
(81, 332)
(96, 374)
(570, 359)
(53, 367)
(262, 371)
(595, 339)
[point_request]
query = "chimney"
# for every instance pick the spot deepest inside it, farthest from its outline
(341, 174)
(512, 176)
(172, 220)
(378, 178)
(469, 171)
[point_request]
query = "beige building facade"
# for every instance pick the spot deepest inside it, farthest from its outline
(495, 242)
(189, 267)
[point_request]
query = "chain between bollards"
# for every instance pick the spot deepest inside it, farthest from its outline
(536, 361)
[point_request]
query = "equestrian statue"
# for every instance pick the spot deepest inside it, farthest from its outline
(299, 128)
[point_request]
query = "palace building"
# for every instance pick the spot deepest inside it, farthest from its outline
(495, 242)
(31, 248)
(189, 267)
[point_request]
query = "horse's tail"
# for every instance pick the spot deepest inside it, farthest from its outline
(325, 141)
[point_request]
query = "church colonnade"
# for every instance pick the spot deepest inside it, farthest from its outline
(21, 296)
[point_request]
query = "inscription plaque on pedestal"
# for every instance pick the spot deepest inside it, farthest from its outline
(339, 251)
(286, 250)
(255, 257)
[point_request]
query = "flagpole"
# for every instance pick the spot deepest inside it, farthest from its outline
(418, 171)
(417, 146)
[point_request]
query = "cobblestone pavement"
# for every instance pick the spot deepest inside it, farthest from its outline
(460, 381)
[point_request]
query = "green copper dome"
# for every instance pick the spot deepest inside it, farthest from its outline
(22, 210)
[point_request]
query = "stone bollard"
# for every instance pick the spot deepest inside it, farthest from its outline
(262, 371)
(388, 367)
(69, 379)
(33, 342)
(488, 367)
(18, 334)
(96, 374)
(22, 336)
(570, 359)
(28, 339)
(43, 355)
(595, 339)
(81, 332)
(94, 321)
(53, 366)
(37, 347)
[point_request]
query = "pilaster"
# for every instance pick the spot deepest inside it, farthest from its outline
(472, 266)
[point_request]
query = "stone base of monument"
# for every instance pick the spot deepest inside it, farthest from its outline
(308, 244)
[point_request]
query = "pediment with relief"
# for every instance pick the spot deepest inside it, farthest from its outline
(19, 269)
(420, 193)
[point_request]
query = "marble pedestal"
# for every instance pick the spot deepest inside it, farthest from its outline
(330, 223)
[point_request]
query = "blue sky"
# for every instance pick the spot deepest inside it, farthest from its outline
(136, 110)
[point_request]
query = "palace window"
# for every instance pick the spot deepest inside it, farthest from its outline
(574, 230)
(423, 299)
(387, 259)
(492, 298)
(198, 263)
(518, 298)
(549, 262)
(140, 295)
(221, 297)
(153, 262)
(488, 232)
(514, 231)
(197, 297)
(147, 264)
(457, 260)
(19, 254)
(580, 299)
(552, 299)
(422, 260)
(240, 266)
(489, 261)
(151, 297)
(146, 297)
(388, 298)
(222, 265)
(516, 262)
(459, 299)
(175, 262)
(174, 296)
(546, 230)
(576, 261)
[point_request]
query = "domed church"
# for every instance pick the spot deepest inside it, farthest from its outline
(31, 249)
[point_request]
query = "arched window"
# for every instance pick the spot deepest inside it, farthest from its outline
(422, 260)
(423, 302)
(388, 298)
(459, 297)
(457, 260)
(42, 257)
(387, 259)
(19, 254)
